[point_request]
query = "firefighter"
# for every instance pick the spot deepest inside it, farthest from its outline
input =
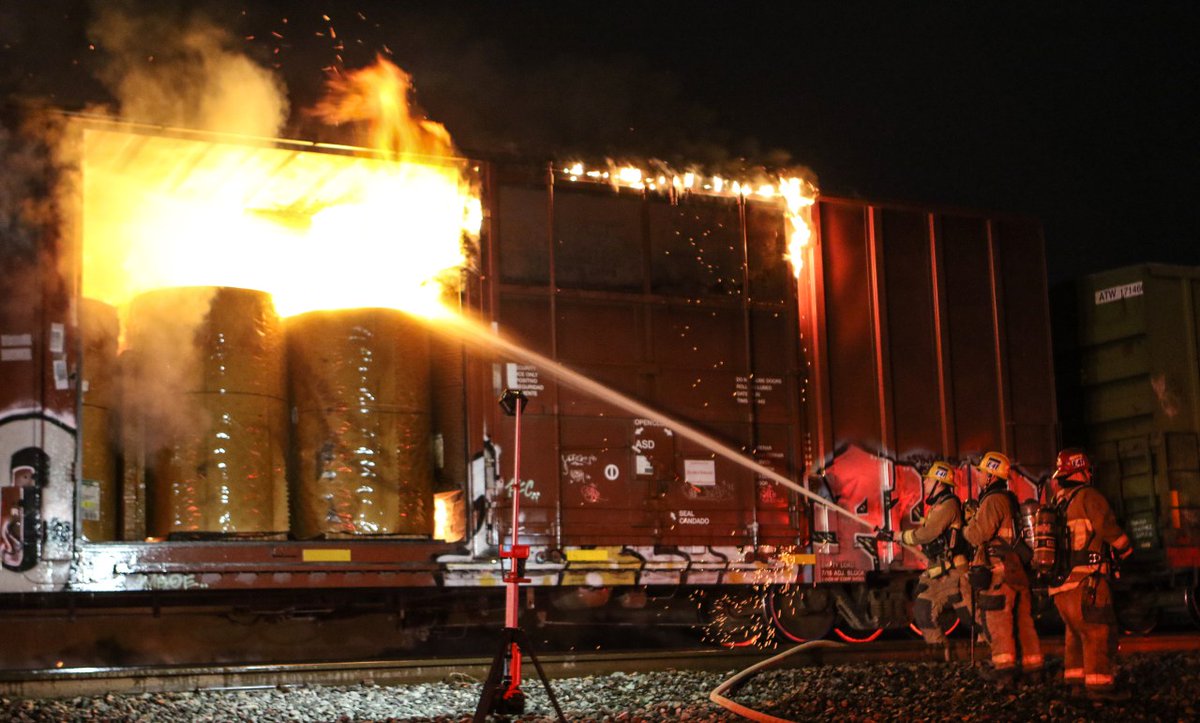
(1005, 601)
(943, 583)
(1084, 598)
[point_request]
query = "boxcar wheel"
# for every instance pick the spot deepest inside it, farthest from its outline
(733, 618)
(1137, 615)
(800, 614)
(851, 635)
(1191, 596)
(948, 621)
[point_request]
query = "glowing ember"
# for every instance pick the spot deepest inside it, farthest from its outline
(316, 230)
(798, 195)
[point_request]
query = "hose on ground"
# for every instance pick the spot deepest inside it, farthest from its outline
(718, 694)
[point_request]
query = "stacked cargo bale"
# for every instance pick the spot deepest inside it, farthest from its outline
(98, 486)
(207, 387)
(360, 385)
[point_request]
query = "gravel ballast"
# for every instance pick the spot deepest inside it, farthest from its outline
(1164, 687)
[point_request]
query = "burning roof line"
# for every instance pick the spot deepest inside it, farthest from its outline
(102, 122)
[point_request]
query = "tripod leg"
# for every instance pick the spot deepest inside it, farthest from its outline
(491, 687)
(524, 643)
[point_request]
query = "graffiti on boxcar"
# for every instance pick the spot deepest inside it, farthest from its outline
(529, 490)
(577, 470)
(174, 581)
(877, 487)
(27, 531)
(21, 507)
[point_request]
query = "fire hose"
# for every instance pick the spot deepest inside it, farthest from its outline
(718, 694)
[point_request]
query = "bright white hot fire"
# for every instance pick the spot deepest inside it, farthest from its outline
(344, 228)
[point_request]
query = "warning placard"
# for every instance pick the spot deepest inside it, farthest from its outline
(700, 472)
(523, 377)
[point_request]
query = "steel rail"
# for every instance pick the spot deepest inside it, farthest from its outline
(68, 682)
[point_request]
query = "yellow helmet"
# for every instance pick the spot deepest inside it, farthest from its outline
(995, 464)
(940, 472)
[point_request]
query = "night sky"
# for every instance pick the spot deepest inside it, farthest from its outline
(1080, 114)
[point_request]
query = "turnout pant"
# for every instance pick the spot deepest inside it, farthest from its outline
(937, 595)
(1008, 615)
(1087, 612)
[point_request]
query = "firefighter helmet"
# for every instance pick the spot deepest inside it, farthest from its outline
(940, 472)
(1070, 461)
(995, 464)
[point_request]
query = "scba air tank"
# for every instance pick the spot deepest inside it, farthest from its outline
(1045, 547)
(1027, 522)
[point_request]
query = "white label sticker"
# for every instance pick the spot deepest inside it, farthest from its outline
(58, 338)
(643, 465)
(762, 387)
(89, 500)
(16, 340)
(60, 374)
(25, 354)
(700, 472)
(1116, 293)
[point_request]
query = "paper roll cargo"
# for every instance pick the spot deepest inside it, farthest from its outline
(229, 477)
(99, 327)
(234, 335)
(360, 388)
(206, 387)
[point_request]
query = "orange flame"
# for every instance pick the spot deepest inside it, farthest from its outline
(379, 96)
(384, 227)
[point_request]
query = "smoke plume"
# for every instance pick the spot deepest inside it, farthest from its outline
(174, 68)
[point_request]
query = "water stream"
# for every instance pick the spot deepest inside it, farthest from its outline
(479, 335)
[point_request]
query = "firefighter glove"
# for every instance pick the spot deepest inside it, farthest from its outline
(884, 535)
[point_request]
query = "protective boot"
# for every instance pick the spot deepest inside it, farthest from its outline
(1107, 695)
(1036, 678)
(1004, 679)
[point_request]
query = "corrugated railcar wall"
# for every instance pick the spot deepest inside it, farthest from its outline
(1130, 356)
(1031, 422)
(937, 335)
(936, 344)
(685, 306)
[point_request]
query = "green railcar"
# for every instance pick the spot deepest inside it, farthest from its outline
(1129, 390)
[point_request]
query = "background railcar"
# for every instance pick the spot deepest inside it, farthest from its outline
(1126, 344)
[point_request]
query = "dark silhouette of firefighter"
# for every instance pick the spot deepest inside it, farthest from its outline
(1005, 599)
(1081, 590)
(943, 584)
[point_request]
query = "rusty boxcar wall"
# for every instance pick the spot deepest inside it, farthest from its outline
(937, 334)
(1127, 352)
(915, 334)
(933, 342)
(687, 307)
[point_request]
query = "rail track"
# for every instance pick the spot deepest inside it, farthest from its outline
(70, 682)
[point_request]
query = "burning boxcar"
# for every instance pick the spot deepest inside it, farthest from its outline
(310, 443)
